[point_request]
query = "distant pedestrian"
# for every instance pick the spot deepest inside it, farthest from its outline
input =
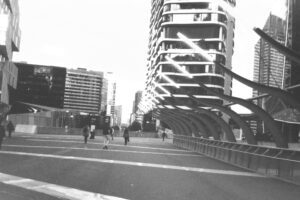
(86, 133)
(164, 135)
(112, 131)
(10, 128)
(126, 135)
(2, 134)
(93, 133)
(106, 132)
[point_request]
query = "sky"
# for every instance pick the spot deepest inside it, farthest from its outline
(113, 36)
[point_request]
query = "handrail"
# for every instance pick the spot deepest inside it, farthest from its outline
(267, 149)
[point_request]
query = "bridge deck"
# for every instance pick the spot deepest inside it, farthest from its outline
(55, 167)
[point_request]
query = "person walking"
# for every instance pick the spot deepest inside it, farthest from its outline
(112, 133)
(164, 135)
(85, 133)
(106, 132)
(2, 134)
(10, 128)
(126, 135)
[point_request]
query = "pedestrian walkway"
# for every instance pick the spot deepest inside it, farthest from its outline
(63, 167)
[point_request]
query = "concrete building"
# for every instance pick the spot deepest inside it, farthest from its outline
(83, 90)
(9, 42)
(108, 102)
(210, 25)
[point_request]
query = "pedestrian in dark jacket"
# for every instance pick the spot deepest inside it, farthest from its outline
(10, 128)
(106, 132)
(164, 135)
(86, 133)
(2, 134)
(126, 135)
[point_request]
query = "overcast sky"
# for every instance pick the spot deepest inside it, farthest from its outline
(113, 36)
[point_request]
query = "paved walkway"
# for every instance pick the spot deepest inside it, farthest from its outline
(62, 167)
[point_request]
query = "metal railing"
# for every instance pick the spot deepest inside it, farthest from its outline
(274, 162)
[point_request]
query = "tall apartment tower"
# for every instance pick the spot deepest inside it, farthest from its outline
(9, 42)
(268, 62)
(209, 25)
(83, 90)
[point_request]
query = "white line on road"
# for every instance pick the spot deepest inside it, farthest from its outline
(113, 150)
(128, 146)
(52, 189)
(191, 169)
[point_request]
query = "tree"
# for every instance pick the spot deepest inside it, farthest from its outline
(135, 126)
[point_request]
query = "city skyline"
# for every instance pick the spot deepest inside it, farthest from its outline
(94, 37)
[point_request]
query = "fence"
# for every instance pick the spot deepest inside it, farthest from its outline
(275, 162)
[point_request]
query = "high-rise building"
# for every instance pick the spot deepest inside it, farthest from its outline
(83, 90)
(9, 42)
(268, 66)
(137, 99)
(136, 114)
(108, 101)
(268, 62)
(208, 24)
(118, 116)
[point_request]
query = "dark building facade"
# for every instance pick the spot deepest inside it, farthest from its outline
(41, 85)
(293, 42)
(10, 36)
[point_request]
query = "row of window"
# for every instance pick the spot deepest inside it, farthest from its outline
(187, 6)
(189, 102)
(206, 45)
(189, 90)
(213, 80)
(193, 69)
(198, 17)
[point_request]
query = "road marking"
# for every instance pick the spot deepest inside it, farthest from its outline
(52, 189)
(113, 150)
(100, 143)
(174, 167)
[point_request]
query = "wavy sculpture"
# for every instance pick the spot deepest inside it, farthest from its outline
(198, 122)
(184, 129)
(186, 119)
(226, 128)
(210, 127)
(200, 129)
(249, 135)
(294, 56)
(175, 127)
(262, 114)
(272, 91)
